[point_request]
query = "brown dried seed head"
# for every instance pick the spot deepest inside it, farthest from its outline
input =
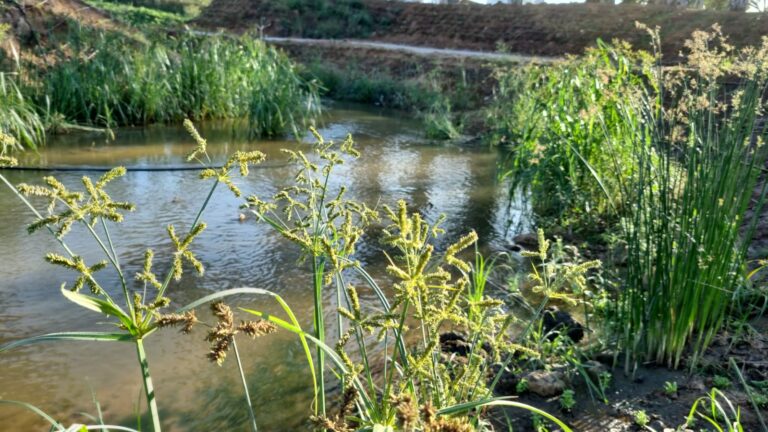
(223, 313)
(188, 319)
(255, 329)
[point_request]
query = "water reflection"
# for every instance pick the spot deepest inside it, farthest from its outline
(195, 395)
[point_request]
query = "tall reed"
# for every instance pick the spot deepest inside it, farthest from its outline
(555, 123)
(698, 156)
(18, 117)
(108, 81)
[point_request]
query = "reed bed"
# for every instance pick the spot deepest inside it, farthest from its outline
(103, 81)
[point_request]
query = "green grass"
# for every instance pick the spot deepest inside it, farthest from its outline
(555, 122)
(18, 117)
(141, 15)
(108, 81)
(685, 225)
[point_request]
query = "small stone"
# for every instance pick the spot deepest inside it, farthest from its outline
(594, 370)
(455, 343)
(545, 384)
(527, 240)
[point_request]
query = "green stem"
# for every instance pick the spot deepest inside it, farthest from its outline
(317, 271)
(116, 262)
(254, 428)
(168, 277)
(115, 265)
(149, 390)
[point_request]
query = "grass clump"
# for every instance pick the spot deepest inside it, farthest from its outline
(105, 81)
(18, 117)
(439, 121)
(698, 156)
(555, 122)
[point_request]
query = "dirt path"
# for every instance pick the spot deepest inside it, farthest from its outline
(411, 49)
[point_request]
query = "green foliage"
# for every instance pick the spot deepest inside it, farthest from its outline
(641, 418)
(721, 382)
(670, 388)
(698, 159)
(18, 117)
(521, 386)
(328, 19)
(567, 400)
(354, 85)
(439, 121)
(717, 411)
(558, 276)
(140, 15)
(139, 314)
(421, 385)
(605, 379)
(556, 122)
(108, 81)
(178, 8)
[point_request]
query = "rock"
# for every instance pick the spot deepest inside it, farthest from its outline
(23, 29)
(545, 384)
(455, 343)
(555, 322)
(507, 383)
(527, 240)
(594, 369)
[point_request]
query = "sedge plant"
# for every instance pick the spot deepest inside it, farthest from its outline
(417, 387)
(698, 155)
(136, 312)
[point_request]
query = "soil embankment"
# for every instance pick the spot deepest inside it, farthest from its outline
(546, 30)
(31, 23)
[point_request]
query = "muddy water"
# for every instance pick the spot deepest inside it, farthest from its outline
(63, 378)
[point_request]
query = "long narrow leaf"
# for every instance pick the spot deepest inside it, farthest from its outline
(68, 336)
(35, 410)
(460, 408)
(99, 305)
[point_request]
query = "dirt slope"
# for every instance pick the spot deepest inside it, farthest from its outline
(31, 22)
(550, 30)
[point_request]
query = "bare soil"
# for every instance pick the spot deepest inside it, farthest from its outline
(33, 22)
(549, 30)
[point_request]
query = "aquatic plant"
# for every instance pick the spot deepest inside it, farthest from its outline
(137, 313)
(418, 388)
(429, 288)
(439, 121)
(18, 117)
(556, 122)
(109, 81)
(698, 158)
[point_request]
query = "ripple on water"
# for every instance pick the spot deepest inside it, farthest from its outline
(396, 164)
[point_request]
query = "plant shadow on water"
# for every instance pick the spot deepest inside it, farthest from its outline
(195, 394)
